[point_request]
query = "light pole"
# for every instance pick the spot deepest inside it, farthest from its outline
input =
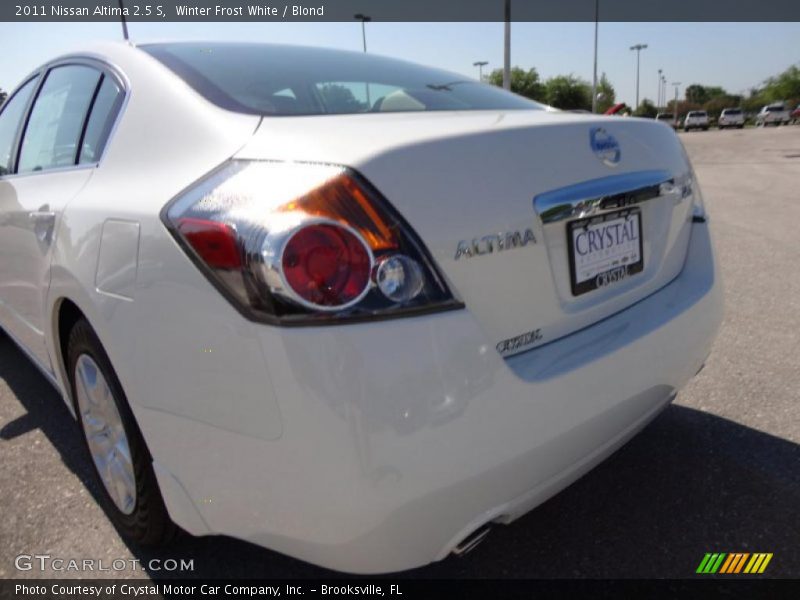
(507, 47)
(124, 23)
(675, 106)
(664, 91)
(594, 78)
(658, 96)
(363, 19)
(480, 64)
(638, 48)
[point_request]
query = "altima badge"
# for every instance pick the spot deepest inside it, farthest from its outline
(496, 242)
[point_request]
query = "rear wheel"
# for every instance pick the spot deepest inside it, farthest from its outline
(120, 457)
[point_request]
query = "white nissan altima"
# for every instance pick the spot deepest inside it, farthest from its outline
(346, 307)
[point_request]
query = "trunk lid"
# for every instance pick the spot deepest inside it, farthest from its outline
(493, 194)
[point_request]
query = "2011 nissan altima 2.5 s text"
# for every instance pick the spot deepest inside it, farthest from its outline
(348, 308)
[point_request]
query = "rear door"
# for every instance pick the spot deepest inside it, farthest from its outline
(12, 219)
(61, 140)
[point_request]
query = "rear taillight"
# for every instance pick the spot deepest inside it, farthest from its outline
(214, 242)
(326, 266)
(299, 243)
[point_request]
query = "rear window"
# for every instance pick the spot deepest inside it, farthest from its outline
(775, 109)
(267, 79)
(106, 105)
(697, 113)
(665, 117)
(731, 111)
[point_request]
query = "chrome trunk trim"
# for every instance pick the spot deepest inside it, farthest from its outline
(607, 194)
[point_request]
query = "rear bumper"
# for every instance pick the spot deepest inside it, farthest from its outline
(773, 118)
(400, 438)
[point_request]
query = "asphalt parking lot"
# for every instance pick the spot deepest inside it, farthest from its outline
(717, 471)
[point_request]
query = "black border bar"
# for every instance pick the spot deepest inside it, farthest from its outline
(399, 588)
(402, 10)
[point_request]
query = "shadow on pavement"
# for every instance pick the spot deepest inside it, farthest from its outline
(690, 483)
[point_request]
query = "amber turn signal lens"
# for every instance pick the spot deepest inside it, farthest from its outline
(341, 199)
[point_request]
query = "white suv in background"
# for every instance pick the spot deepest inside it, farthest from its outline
(773, 114)
(696, 119)
(731, 117)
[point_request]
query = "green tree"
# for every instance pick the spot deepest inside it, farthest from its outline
(783, 87)
(646, 109)
(713, 92)
(568, 92)
(715, 105)
(608, 97)
(340, 99)
(683, 107)
(754, 101)
(696, 93)
(700, 94)
(525, 83)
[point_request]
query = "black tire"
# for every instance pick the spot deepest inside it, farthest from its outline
(740, 127)
(149, 523)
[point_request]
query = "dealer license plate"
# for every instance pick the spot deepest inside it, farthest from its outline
(604, 250)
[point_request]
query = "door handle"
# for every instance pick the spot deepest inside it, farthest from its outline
(41, 215)
(43, 223)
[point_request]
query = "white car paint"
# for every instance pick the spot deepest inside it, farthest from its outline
(773, 114)
(370, 446)
(731, 117)
(696, 119)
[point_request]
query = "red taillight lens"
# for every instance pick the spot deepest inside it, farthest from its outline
(214, 242)
(295, 243)
(326, 265)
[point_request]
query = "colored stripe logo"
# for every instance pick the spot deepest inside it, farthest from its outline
(734, 563)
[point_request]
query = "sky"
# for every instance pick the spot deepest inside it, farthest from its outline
(736, 56)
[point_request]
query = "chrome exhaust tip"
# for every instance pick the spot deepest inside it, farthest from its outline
(469, 543)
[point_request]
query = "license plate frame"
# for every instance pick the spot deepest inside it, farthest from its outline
(616, 273)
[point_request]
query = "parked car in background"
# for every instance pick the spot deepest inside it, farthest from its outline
(696, 119)
(795, 116)
(773, 114)
(731, 117)
(280, 308)
(667, 118)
